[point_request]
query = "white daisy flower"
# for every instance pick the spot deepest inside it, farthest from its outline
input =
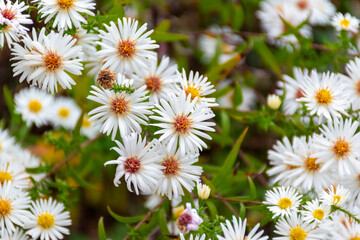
(14, 172)
(325, 95)
(320, 11)
(352, 83)
(178, 172)
(66, 12)
(282, 201)
(139, 161)
(192, 237)
(65, 113)
(335, 195)
(87, 41)
(126, 48)
(345, 22)
(315, 212)
(338, 147)
(48, 220)
(13, 207)
(18, 234)
(182, 124)
(124, 110)
(7, 142)
(158, 79)
(352, 183)
(198, 86)
(88, 128)
(345, 230)
(34, 106)
(237, 231)
(12, 20)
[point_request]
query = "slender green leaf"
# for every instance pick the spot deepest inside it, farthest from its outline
(164, 26)
(238, 97)
(252, 189)
(74, 175)
(101, 229)
(220, 71)
(162, 221)
(238, 16)
(242, 210)
(127, 220)
(168, 37)
(269, 59)
(212, 208)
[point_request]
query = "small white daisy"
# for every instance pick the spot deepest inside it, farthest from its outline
(7, 142)
(182, 124)
(18, 234)
(236, 230)
(346, 230)
(320, 11)
(88, 128)
(345, 22)
(65, 113)
(338, 147)
(34, 106)
(87, 41)
(158, 79)
(335, 195)
(192, 237)
(352, 83)
(14, 172)
(125, 48)
(139, 161)
(282, 201)
(48, 220)
(124, 110)
(352, 182)
(315, 212)
(66, 12)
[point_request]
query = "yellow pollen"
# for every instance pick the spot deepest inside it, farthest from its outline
(126, 49)
(318, 214)
(64, 112)
(284, 203)
(0, 146)
(297, 233)
(153, 84)
(182, 124)
(5, 207)
(311, 165)
(341, 148)
(345, 23)
(171, 165)
(356, 237)
(35, 106)
(5, 176)
(65, 4)
(323, 96)
(120, 105)
(45, 220)
(336, 200)
(52, 61)
(85, 122)
(194, 91)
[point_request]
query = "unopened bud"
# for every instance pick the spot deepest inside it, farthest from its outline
(106, 78)
(203, 190)
(273, 101)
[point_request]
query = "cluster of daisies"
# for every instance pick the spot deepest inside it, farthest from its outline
(20, 216)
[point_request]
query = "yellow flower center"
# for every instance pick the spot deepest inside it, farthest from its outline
(356, 237)
(64, 112)
(341, 148)
(153, 84)
(65, 4)
(5, 176)
(171, 165)
(5, 207)
(52, 61)
(126, 49)
(182, 124)
(311, 165)
(45, 220)
(85, 122)
(284, 203)
(35, 106)
(345, 23)
(336, 200)
(120, 105)
(323, 96)
(297, 233)
(194, 91)
(318, 214)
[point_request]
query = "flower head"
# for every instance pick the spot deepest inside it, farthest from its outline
(189, 220)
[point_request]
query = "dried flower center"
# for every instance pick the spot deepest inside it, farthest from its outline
(302, 4)
(65, 4)
(5, 207)
(34, 106)
(284, 203)
(106, 78)
(183, 221)
(311, 165)
(172, 166)
(341, 148)
(132, 164)
(85, 122)
(63, 112)
(182, 124)
(299, 93)
(323, 96)
(5, 176)
(194, 91)
(126, 49)
(336, 200)
(45, 220)
(318, 214)
(52, 61)
(356, 237)
(8, 14)
(345, 23)
(153, 84)
(120, 106)
(297, 233)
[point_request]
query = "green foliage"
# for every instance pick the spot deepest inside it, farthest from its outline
(101, 229)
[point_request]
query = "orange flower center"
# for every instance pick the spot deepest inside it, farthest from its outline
(120, 106)
(5, 207)
(323, 96)
(182, 124)
(52, 61)
(132, 164)
(341, 148)
(171, 165)
(126, 49)
(153, 84)
(65, 4)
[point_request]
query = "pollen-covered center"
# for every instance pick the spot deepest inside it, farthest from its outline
(323, 96)
(182, 124)
(302, 4)
(34, 106)
(8, 14)
(194, 91)
(318, 214)
(341, 148)
(52, 61)
(120, 105)
(45, 220)
(63, 112)
(344, 23)
(85, 122)
(5, 207)
(172, 166)
(132, 164)
(65, 4)
(183, 221)
(336, 200)
(311, 165)
(153, 83)
(284, 203)
(297, 233)
(5, 176)
(126, 49)
(356, 237)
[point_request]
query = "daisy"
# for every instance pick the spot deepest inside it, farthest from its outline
(125, 48)
(178, 172)
(345, 22)
(12, 20)
(158, 79)
(320, 11)
(282, 201)
(48, 220)
(65, 113)
(7, 143)
(182, 124)
(198, 86)
(13, 205)
(325, 95)
(139, 161)
(237, 231)
(352, 83)
(34, 106)
(66, 12)
(335, 195)
(346, 230)
(18, 234)
(87, 41)
(338, 147)
(123, 110)
(192, 237)
(315, 212)
(189, 220)
(14, 172)
(88, 128)
(352, 182)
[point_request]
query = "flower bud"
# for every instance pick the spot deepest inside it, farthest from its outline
(203, 190)
(273, 101)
